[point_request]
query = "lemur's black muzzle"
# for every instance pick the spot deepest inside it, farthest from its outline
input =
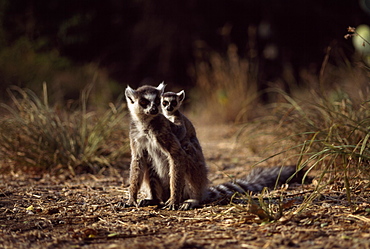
(154, 110)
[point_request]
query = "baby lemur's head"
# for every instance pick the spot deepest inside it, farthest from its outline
(144, 101)
(171, 102)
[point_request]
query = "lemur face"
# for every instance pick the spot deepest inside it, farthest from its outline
(171, 101)
(146, 100)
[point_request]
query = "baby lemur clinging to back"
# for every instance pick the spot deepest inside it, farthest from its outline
(184, 129)
(185, 132)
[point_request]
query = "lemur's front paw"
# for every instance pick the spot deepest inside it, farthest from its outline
(130, 203)
(171, 205)
(121, 204)
(149, 202)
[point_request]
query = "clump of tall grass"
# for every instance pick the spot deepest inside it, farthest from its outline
(36, 136)
(226, 85)
(329, 131)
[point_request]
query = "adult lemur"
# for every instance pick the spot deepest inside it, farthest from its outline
(171, 174)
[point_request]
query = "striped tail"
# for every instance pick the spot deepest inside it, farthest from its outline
(256, 181)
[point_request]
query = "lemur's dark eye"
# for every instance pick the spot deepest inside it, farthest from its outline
(173, 103)
(157, 101)
(165, 103)
(144, 102)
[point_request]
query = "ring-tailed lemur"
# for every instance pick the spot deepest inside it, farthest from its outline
(159, 162)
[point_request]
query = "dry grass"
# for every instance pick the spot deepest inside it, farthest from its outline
(324, 129)
(34, 135)
(321, 126)
(226, 87)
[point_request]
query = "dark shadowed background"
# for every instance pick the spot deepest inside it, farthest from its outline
(64, 42)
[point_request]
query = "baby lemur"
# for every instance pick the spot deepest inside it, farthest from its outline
(185, 132)
(171, 174)
(184, 129)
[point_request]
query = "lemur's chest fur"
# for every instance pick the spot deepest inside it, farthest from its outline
(145, 138)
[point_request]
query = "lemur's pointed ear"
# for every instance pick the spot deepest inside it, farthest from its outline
(161, 87)
(130, 94)
(181, 95)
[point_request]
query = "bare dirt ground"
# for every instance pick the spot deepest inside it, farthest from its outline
(80, 212)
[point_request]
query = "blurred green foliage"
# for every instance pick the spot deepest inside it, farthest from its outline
(24, 65)
(32, 35)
